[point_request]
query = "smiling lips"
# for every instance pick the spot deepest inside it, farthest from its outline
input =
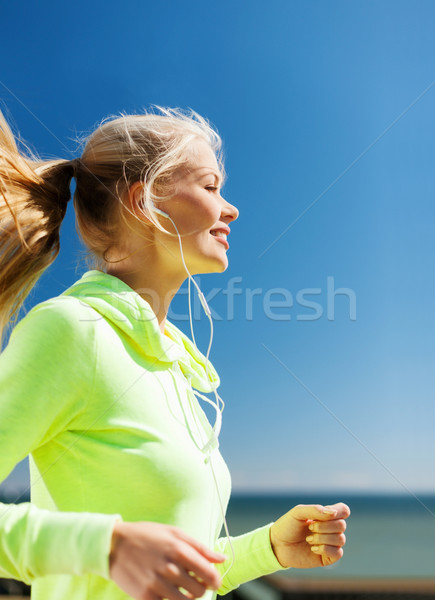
(220, 236)
(219, 233)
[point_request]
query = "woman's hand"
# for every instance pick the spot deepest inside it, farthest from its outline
(310, 535)
(151, 561)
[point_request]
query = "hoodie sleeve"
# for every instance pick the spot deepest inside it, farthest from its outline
(253, 557)
(46, 377)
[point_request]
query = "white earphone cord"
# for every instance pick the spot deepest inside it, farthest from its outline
(219, 405)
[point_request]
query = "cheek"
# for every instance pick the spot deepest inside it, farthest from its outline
(210, 212)
(197, 215)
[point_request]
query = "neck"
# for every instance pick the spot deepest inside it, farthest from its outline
(157, 291)
(153, 270)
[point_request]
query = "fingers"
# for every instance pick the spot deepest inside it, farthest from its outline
(170, 592)
(327, 539)
(181, 578)
(194, 562)
(330, 539)
(329, 554)
(327, 526)
(335, 526)
(196, 558)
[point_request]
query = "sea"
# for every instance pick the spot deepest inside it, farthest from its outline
(387, 536)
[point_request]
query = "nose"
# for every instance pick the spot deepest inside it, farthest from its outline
(229, 210)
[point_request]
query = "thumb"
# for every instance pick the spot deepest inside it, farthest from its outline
(318, 512)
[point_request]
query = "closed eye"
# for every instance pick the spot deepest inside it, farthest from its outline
(211, 188)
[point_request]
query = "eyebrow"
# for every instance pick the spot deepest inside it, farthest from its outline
(219, 177)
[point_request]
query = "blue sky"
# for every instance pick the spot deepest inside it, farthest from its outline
(327, 114)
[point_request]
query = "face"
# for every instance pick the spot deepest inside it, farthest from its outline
(197, 207)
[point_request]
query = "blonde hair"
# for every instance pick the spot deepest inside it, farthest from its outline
(34, 193)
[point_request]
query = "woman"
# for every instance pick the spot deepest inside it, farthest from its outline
(128, 488)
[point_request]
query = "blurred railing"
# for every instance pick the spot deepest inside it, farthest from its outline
(280, 588)
(283, 588)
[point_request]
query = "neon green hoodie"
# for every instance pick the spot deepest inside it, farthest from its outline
(103, 403)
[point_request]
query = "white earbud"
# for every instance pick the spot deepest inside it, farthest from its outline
(158, 211)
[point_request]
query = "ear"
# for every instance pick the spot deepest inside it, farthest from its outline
(136, 200)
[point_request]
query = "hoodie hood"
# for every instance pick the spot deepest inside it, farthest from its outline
(126, 309)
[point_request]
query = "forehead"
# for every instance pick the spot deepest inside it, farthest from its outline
(200, 160)
(202, 152)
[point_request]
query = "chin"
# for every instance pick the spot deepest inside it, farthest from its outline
(223, 268)
(217, 267)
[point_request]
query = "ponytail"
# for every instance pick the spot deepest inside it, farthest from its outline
(33, 201)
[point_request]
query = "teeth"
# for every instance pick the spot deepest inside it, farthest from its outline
(219, 234)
